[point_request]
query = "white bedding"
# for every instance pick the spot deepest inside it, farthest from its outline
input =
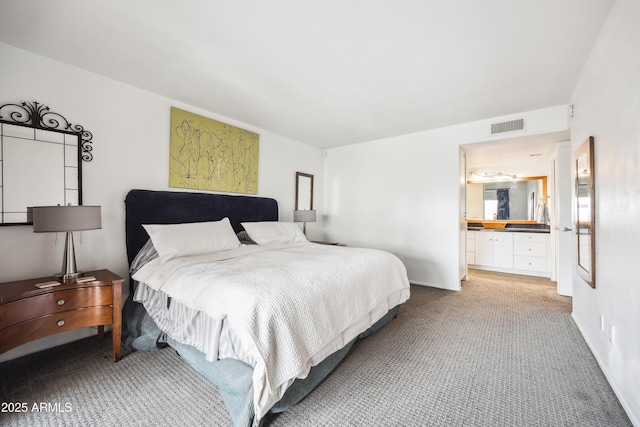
(282, 308)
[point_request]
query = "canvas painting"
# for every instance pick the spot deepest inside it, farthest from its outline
(206, 154)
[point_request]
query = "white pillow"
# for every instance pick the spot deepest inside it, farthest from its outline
(268, 232)
(175, 240)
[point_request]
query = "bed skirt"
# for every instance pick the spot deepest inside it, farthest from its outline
(233, 377)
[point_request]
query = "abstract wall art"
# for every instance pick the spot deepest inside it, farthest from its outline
(206, 154)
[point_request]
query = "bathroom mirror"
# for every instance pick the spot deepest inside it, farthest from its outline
(585, 212)
(41, 157)
(511, 199)
(304, 191)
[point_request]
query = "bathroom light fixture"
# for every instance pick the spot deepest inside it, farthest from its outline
(492, 175)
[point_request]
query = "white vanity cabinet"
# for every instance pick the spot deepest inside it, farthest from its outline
(502, 249)
(484, 248)
(494, 249)
(509, 252)
(530, 251)
(471, 247)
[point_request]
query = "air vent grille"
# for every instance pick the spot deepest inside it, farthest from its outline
(509, 126)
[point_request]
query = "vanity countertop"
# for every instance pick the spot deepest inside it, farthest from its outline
(511, 229)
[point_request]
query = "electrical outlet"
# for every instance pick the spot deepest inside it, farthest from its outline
(602, 322)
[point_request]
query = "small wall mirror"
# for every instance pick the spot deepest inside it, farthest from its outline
(304, 191)
(513, 199)
(41, 156)
(585, 212)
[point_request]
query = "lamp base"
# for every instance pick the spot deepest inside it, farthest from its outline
(69, 271)
(70, 277)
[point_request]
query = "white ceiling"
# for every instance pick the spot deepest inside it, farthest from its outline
(327, 73)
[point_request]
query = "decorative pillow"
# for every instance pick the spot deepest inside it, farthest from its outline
(176, 240)
(268, 232)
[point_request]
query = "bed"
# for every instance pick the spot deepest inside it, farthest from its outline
(247, 300)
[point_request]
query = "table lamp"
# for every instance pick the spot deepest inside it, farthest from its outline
(50, 219)
(304, 216)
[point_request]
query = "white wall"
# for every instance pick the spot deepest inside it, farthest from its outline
(607, 106)
(131, 144)
(401, 194)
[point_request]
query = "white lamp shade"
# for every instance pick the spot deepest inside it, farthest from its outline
(304, 216)
(66, 218)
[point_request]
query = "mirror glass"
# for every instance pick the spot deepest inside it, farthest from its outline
(304, 191)
(585, 212)
(514, 199)
(40, 161)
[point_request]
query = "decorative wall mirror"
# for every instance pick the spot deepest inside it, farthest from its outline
(585, 212)
(41, 157)
(304, 191)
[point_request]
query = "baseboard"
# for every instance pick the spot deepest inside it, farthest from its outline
(632, 417)
(431, 285)
(546, 275)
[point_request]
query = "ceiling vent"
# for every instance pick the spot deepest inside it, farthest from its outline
(509, 126)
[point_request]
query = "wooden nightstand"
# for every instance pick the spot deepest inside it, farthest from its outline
(28, 313)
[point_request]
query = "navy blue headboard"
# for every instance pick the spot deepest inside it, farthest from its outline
(172, 207)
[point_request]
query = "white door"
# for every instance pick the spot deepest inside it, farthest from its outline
(564, 233)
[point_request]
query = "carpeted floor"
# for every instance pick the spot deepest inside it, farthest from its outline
(502, 352)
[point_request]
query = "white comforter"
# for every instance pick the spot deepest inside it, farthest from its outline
(289, 306)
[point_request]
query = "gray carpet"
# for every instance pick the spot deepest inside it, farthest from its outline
(502, 352)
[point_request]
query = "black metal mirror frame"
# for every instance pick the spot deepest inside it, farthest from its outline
(585, 212)
(39, 117)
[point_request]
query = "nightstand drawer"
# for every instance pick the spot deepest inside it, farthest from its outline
(19, 334)
(40, 305)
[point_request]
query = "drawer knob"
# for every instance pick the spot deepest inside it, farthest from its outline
(61, 301)
(60, 322)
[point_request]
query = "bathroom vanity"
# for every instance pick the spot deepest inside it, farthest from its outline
(517, 250)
